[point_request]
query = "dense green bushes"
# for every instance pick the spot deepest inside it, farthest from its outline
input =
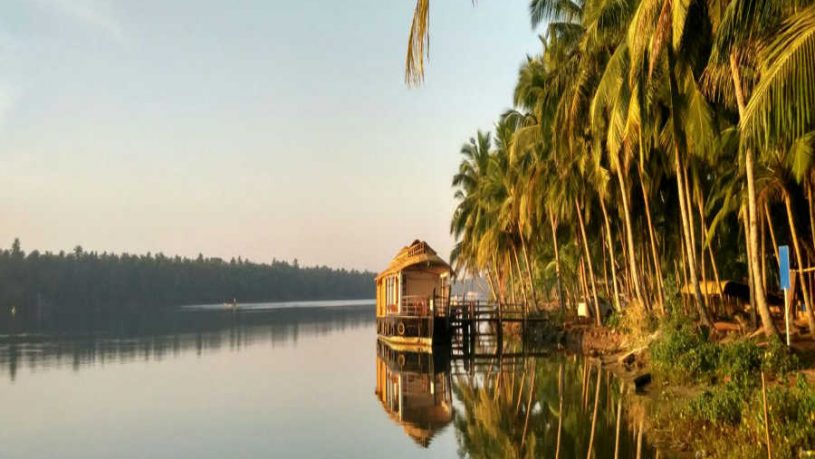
(726, 414)
(684, 353)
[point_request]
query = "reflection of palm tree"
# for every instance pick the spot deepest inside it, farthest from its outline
(492, 422)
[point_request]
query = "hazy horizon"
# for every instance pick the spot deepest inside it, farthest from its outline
(263, 130)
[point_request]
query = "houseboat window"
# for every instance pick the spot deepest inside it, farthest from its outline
(390, 290)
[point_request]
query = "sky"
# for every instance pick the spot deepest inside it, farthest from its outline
(266, 129)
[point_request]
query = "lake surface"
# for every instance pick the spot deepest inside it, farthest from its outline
(293, 382)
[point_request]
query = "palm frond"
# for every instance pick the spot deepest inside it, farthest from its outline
(800, 156)
(782, 107)
(418, 44)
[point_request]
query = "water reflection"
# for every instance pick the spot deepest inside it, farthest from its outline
(82, 341)
(517, 404)
(415, 390)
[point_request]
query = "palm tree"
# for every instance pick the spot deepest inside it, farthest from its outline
(622, 89)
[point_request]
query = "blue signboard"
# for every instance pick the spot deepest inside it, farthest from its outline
(784, 266)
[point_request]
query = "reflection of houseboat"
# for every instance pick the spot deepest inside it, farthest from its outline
(412, 298)
(415, 390)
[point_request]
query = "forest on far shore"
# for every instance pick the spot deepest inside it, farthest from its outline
(48, 283)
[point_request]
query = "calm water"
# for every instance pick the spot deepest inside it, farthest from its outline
(299, 382)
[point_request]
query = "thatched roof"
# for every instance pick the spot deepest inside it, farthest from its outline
(417, 254)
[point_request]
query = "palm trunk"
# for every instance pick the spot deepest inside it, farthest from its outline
(511, 279)
(627, 277)
(632, 261)
(501, 282)
(752, 212)
(709, 248)
(760, 297)
(772, 235)
(797, 247)
(761, 226)
(557, 264)
(528, 269)
(598, 318)
(685, 280)
(520, 276)
(654, 251)
(702, 263)
(606, 283)
(491, 284)
(583, 283)
(689, 257)
(688, 194)
(750, 268)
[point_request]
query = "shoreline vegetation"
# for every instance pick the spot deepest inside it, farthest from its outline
(656, 155)
(39, 285)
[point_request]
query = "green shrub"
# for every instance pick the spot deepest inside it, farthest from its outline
(740, 362)
(683, 353)
(721, 404)
(777, 360)
(791, 411)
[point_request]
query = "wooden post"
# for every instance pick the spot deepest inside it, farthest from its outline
(766, 417)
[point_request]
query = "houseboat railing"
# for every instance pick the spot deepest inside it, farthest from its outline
(420, 306)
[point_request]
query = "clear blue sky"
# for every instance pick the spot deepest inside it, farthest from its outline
(255, 128)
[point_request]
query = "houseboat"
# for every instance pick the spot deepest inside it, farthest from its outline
(412, 299)
(415, 389)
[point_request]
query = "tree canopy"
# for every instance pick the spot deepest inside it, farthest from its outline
(81, 281)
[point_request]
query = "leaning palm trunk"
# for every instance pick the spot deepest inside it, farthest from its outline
(604, 250)
(654, 251)
(801, 277)
(772, 234)
(528, 269)
(689, 256)
(598, 318)
(632, 259)
(520, 276)
(583, 283)
(492, 285)
(557, 264)
(508, 261)
(760, 299)
(763, 254)
(709, 249)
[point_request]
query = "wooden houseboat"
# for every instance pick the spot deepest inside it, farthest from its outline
(412, 299)
(415, 389)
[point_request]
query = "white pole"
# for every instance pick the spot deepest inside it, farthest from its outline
(787, 315)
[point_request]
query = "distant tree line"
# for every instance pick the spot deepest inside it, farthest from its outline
(48, 283)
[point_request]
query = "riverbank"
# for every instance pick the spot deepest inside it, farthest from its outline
(705, 397)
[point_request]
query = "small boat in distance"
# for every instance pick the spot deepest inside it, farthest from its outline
(232, 305)
(412, 299)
